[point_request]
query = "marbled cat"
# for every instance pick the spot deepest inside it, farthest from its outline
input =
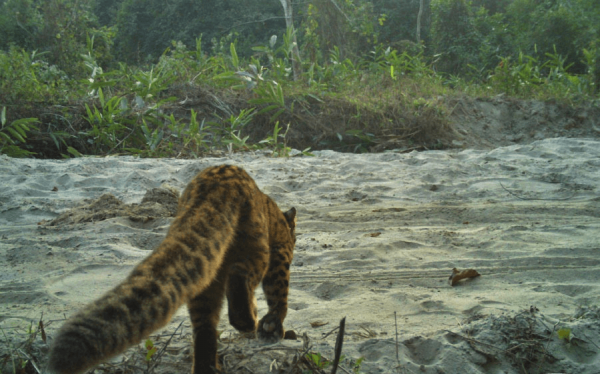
(227, 237)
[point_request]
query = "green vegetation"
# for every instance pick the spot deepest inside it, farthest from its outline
(19, 353)
(151, 348)
(316, 363)
(565, 334)
(14, 132)
(160, 79)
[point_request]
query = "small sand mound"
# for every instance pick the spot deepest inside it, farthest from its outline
(156, 203)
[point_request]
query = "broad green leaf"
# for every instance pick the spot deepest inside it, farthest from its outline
(16, 134)
(6, 138)
(74, 152)
(234, 57)
(20, 129)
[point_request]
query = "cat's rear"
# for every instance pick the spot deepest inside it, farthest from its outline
(222, 216)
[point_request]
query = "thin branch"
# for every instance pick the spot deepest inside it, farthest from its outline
(533, 198)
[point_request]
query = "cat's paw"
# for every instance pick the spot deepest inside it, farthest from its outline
(270, 329)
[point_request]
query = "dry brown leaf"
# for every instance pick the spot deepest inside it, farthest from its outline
(457, 275)
(318, 324)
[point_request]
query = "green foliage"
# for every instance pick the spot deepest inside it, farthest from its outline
(364, 140)
(63, 34)
(270, 97)
(279, 149)
(99, 45)
(15, 133)
(26, 78)
(56, 28)
(407, 64)
(151, 348)
(319, 361)
(279, 60)
(107, 121)
(527, 75)
(149, 84)
(147, 27)
(152, 137)
(492, 6)
(497, 41)
(19, 24)
(518, 78)
(195, 136)
(349, 25)
(18, 356)
(331, 75)
(558, 29)
(565, 334)
(592, 58)
(229, 131)
(361, 69)
(106, 11)
(454, 37)
(557, 26)
(518, 15)
(188, 65)
(235, 60)
(113, 121)
(356, 364)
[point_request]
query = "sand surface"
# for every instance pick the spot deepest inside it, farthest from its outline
(378, 237)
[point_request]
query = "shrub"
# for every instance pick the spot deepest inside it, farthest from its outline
(454, 36)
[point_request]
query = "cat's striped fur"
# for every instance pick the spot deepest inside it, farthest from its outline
(226, 238)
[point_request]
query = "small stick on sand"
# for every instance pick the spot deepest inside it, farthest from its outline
(329, 333)
(162, 351)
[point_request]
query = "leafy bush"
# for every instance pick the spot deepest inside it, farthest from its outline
(560, 31)
(63, 34)
(517, 78)
(348, 25)
(527, 76)
(25, 78)
(497, 41)
(20, 23)
(454, 37)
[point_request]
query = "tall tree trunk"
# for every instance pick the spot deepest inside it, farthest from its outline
(419, 22)
(289, 22)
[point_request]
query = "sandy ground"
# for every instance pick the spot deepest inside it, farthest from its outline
(378, 237)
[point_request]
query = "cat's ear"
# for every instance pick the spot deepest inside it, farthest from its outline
(290, 217)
